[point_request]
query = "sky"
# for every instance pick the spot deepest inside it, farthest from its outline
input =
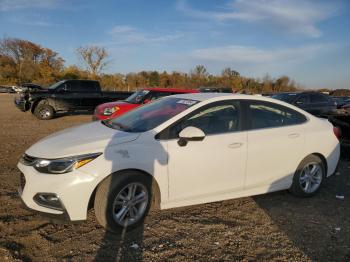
(307, 40)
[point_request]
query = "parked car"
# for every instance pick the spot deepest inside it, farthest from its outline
(177, 151)
(66, 96)
(315, 103)
(215, 90)
(143, 96)
(346, 104)
(6, 89)
(340, 100)
(31, 87)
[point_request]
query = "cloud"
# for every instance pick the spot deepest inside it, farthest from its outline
(295, 16)
(256, 61)
(124, 34)
(254, 55)
(10, 5)
(36, 20)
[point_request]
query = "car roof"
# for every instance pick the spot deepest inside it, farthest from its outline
(174, 90)
(225, 96)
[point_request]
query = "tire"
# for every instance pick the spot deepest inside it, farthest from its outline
(112, 197)
(308, 177)
(44, 112)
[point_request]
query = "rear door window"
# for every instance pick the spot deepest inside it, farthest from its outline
(318, 98)
(88, 87)
(269, 115)
(73, 86)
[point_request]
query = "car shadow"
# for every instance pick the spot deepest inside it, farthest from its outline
(79, 113)
(128, 245)
(319, 226)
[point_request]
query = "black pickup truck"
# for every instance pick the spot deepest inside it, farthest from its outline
(66, 96)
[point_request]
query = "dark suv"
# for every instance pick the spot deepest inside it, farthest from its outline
(315, 103)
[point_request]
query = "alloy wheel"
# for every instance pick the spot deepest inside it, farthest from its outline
(311, 177)
(130, 204)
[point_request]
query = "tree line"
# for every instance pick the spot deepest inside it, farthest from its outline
(22, 61)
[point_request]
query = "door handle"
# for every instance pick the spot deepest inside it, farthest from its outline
(235, 145)
(294, 135)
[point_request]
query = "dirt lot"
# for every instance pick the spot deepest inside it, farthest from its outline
(275, 226)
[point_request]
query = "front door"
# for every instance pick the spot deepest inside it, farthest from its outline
(213, 168)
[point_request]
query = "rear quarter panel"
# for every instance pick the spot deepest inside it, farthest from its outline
(320, 139)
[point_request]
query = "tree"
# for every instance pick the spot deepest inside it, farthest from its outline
(229, 73)
(25, 61)
(199, 72)
(94, 58)
(199, 76)
(153, 78)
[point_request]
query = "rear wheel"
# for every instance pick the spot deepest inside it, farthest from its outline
(309, 177)
(122, 201)
(44, 112)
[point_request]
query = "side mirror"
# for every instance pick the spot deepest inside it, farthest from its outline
(190, 133)
(146, 101)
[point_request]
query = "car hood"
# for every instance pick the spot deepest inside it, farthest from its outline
(88, 138)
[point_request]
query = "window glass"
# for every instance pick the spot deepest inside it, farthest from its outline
(318, 98)
(88, 87)
(268, 115)
(149, 116)
(302, 99)
(286, 97)
(156, 95)
(73, 86)
(137, 97)
(216, 118)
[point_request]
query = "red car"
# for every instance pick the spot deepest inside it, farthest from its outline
(143, 96)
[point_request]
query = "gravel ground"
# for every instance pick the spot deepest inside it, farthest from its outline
(273, 227)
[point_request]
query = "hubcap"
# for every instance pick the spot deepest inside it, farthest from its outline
(45, 113)
(311, 177)
(130, 204)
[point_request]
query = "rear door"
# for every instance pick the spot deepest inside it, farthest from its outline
(90, 95)
(275, 145)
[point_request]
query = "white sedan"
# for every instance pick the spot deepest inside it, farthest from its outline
(177, 151)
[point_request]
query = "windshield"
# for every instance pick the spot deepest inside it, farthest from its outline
(286, 97)
(55, 85)
(149, 116)
(137, 97)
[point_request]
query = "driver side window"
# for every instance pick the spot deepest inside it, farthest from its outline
(216, 118)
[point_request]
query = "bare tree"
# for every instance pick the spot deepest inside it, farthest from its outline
(94, 57)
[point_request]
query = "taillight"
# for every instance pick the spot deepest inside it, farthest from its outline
(337, 132)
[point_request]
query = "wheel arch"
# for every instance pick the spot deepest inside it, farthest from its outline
(324, 161)
(156, 195)
(43, 101)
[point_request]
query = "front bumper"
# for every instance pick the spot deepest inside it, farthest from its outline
(22, 104)
(74, 190)
(55, 218)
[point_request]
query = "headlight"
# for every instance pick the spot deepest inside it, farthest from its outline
(63, 165)
(110, 110)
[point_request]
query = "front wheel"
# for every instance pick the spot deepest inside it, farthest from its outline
(122, 201)
(44, 112)
(309, 177)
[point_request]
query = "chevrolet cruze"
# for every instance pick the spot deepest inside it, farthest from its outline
(177, 151)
